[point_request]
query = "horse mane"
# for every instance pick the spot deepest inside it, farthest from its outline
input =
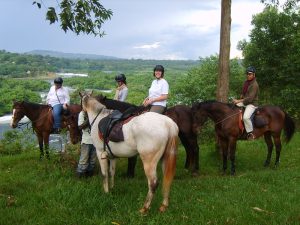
(107, 101)
(210, 102)
(33, 105)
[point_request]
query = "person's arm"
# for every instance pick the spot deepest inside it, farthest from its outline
(253, 89)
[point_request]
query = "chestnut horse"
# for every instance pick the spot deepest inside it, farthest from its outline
(42, 122)
(180, 114)
(151, 135)
(269, 121)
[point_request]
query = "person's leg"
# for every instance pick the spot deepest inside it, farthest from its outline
(57, 109)
(158, 109)
(83, 161)
(92, 160)
(247, 118)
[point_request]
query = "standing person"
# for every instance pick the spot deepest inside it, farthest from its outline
(58, 97)
(121, 95)
(249, 100)
(87, 161)
(122, 89)
(158, 92)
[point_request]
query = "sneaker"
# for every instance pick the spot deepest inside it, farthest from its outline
(56, 131)
(250, 136)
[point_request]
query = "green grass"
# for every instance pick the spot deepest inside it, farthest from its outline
(47, 192)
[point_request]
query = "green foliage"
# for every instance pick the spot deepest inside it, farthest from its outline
(11, 90)
(16, 142)
(200, 83)
(81, 16)
(274, 50)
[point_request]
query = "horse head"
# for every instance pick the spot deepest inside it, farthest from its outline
(17, 113)
(200, 116)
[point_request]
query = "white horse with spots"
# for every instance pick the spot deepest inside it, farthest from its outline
(151, 135)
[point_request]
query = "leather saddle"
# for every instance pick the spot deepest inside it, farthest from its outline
(257, 118)
(110, 127)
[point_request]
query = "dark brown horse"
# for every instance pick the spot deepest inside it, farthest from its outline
(42, 122)
(269, 121)
(181, 114)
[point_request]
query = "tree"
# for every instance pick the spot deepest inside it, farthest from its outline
(274, 48)
(79, 16)
(224, 58)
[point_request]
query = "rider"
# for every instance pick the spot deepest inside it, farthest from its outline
(58, 97)
(158, 92)
(122, 90)
(249, 100)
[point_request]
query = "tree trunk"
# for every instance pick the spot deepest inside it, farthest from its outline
(224, 56)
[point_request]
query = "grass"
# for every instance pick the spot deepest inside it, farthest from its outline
(47, 192)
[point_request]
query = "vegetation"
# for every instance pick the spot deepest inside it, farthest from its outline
(47, 192)
(274, 50)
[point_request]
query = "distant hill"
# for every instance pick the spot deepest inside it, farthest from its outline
(69, 55)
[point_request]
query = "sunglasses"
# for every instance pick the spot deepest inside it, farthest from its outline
(250, 74)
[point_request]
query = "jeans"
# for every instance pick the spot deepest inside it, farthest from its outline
(87, 159)
(57, 110)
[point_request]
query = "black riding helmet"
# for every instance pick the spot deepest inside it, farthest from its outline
(251, 69)
(120, 78)
(159, 68)
(58, 80)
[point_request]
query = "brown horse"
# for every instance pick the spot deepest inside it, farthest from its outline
(42, 122)
(180, 114)
(269, 121)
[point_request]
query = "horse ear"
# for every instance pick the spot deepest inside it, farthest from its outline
(80, 94)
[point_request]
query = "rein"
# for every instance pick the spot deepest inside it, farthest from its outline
(227, 118)
(95, 118)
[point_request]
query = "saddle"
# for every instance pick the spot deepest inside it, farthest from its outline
(257, 119)
(110, 127)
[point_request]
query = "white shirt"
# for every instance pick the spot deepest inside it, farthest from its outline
(62, 95)
(86, 136)
(158, 88)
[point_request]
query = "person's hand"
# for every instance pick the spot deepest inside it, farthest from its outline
(236, 101)
(65, 106)
(147, 102)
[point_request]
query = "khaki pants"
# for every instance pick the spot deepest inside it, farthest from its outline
(249, 109)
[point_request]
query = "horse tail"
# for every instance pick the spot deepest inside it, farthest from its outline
(289, 127)
(169, 161)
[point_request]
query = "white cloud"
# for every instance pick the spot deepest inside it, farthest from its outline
(148, 46)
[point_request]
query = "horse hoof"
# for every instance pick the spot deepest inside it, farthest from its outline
(162, 208)
(143, 211)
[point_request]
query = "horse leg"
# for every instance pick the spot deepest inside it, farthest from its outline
(269, 142)
(46, 142)
(192, 152)
(103, 161)
(112, 171)
(224, 146)
(232, 149)
(131, 166)
(150, 164)
(41, 146)
(277, 142)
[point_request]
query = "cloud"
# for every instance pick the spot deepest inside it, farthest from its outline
(149, 46)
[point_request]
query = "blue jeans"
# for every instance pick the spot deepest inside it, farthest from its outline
(57, 110)
(87, 159)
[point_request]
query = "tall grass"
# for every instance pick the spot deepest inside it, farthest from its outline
(47, 192)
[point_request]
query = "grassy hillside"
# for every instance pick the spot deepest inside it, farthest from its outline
(47, 192)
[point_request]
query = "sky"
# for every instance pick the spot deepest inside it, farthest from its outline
(139, 29)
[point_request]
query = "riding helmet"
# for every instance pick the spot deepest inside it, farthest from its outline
(120, 78)
(251, 69)
(58, 80)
